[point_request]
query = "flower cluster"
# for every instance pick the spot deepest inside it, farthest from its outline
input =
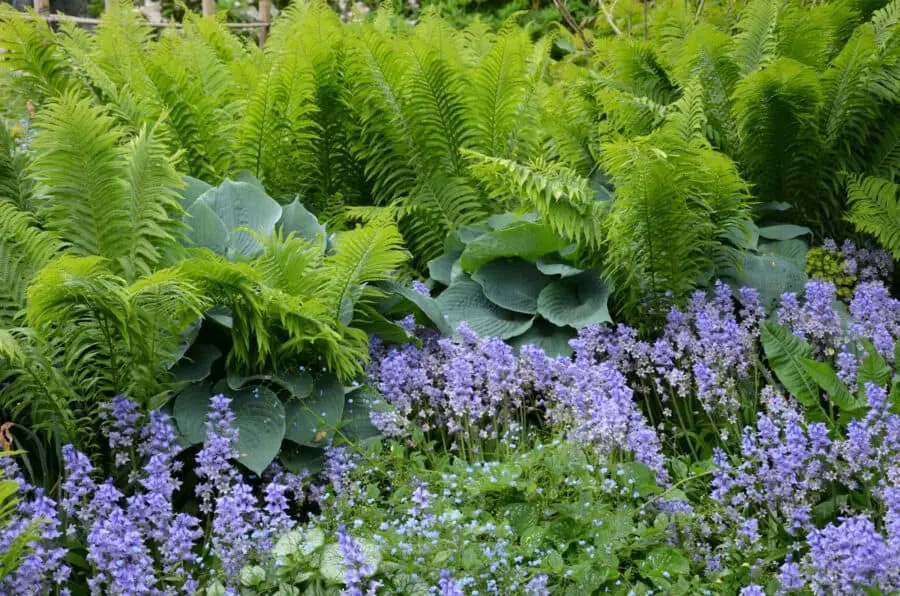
(136, 541)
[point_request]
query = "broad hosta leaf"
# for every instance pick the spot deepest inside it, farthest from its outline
(786, 353)
(778, 268)
(207, 229)
(441, 268)
(197, 363)
(465, 301)
(512, 283)
(192, 190)
(528, 240)
(297, 458)
(575, 301)
(259, 417)
(784, 232)
(504, 220)
(356, 424)
(555, 264)
(427, 305)
(550, 338)
(242, 205)
(298, 383)
(312, 421)
(303, 224)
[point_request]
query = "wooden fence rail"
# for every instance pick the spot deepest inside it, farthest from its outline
(42, 7)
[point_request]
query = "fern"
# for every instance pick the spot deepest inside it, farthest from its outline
(757, 40)
(30, 51)
(776, 111)
(24, 250)
(563, 199)
(15, 185)
(875, 209)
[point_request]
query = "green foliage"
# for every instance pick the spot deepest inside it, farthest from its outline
(875, 209)
(830, 266)
(509, 278)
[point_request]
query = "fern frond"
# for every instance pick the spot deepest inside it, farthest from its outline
(78, 162)
(30, 50)
(286, 263)
(15, 184)
(362, 256)
(875, 209)
(154, 210)
(756, 42)
(24, 250)
(776, 109)
(563, 199)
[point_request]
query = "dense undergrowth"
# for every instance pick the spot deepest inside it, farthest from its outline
(387, 308)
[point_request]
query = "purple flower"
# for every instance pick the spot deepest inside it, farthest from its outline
(214, 465)
(752, 590)
(355, 566)
(78, 484)
(447, 586)
(876, 317)
(339, 464)
(537, 586)
(119, 557)
(123, 416)
(848, 557)
(235, 523)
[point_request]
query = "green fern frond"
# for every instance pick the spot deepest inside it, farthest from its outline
(362, 256)
(875, 209)
(78, 163)
(154, 208)
(562, 198)
(15, 184)
(756, 42)
(30, 51)
(286, 263)
(776, 109)
(24, 250)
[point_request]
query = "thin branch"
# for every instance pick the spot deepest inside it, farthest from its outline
(608, 14)
(570, 21)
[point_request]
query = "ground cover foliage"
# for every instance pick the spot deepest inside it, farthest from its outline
(386, 308)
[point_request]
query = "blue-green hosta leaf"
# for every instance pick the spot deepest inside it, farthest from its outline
(512, 283)
(259, 417)
(356, 424)
(299, 383)
(207, 229)
(776, 269)
(465, 301)
(242, 205)
(555, 264)
(441, 268)
(191, 191)
(246, 176)
(312, 421)
(528, 240)
(297, 458)
(197, 363)
(784, 232)
(297, 220)
(550, 338)
(504, 220)
(427, 305)
(575, 301)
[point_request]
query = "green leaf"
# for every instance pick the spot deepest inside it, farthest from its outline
(441, 268)
(427, 305)
(465, 301)
(355, 422)
(247, 177)
(259, 418)
(550, 338)
(873, 369)
(297, 458)
(771, 273)
(827, 379)
(786, 353)
(528, 240)
(196, 364)
(556, 264)
(664, 562)
(303, 224)
(575, 301)
(207, 229)
(192, 190)
(512, 283)
(332, 567)
(784, 232)
(312, 421)
(240, 205)
(298, 383)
